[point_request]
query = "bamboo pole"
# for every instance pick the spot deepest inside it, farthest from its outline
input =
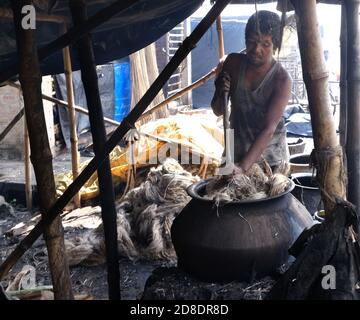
(41, 157)
(328, 153)
(73, 34)
(343, 78)
(107, 196)
(220, 37)
(72, 119)
(12, 123)
(28, 187)
(353, 102)
(126, 124)
(180, 93)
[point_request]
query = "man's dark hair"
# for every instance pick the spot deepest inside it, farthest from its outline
(265, 22)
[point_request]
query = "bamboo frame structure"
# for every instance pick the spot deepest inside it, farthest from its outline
(75, 157)
(328, 153)
(196, 84)
(353, 101)
(41, 157)
(126, 124)
(107, 196)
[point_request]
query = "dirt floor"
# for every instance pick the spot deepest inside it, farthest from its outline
(85, 280)
(166, 282)
(144, 279)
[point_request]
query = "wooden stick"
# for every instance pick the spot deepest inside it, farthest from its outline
(220, 37)
(30, 79)
(107, 196)
(28, 186)
(63, 103)
(327, 150)
(72, 119)
(123, 128)
(343, 77)
(73, 34)
(12, 123)
(353, 100)
(180, 93)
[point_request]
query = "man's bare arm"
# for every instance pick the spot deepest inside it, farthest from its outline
(221, 85)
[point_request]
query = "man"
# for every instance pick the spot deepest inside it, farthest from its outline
(259, 89)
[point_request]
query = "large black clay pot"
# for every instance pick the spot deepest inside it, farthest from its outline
(236, 241)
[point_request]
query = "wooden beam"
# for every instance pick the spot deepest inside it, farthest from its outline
(73, 34)
(353, 101)
(328, 153)
(41, 157)
(124, 127)
(220, 37)
(343, 78)
(27, 164)
(107, 196)
(75, 158)
(180, 93)
(12, 123)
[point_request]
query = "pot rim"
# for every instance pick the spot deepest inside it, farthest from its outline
(192, 192)
(295, 178)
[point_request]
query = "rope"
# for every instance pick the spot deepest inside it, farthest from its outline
(324, 156)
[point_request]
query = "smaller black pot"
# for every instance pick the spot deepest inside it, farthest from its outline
(299, 163)
(296, 145)
(307, 191)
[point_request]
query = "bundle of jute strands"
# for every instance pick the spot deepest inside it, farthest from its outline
(254, 185)
(144, 219)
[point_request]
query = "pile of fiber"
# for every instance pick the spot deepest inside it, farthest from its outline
(144, 219)
(255, 184)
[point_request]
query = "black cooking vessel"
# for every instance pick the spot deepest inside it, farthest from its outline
(239, 240)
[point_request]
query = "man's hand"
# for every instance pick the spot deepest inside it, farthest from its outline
(228, 169)
(222, 82)
(238, 170)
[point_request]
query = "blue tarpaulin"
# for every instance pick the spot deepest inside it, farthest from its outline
(127, 32)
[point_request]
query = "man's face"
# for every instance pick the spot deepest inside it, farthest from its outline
(259, 49)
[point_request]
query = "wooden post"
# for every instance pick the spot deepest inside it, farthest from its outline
(124, 127)
(72, 119)
(343, 78)
(28, 186)
(41, 157)
(353, 106)
(73, 34)
(107, 196)
(328, 153)
(220, 37)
